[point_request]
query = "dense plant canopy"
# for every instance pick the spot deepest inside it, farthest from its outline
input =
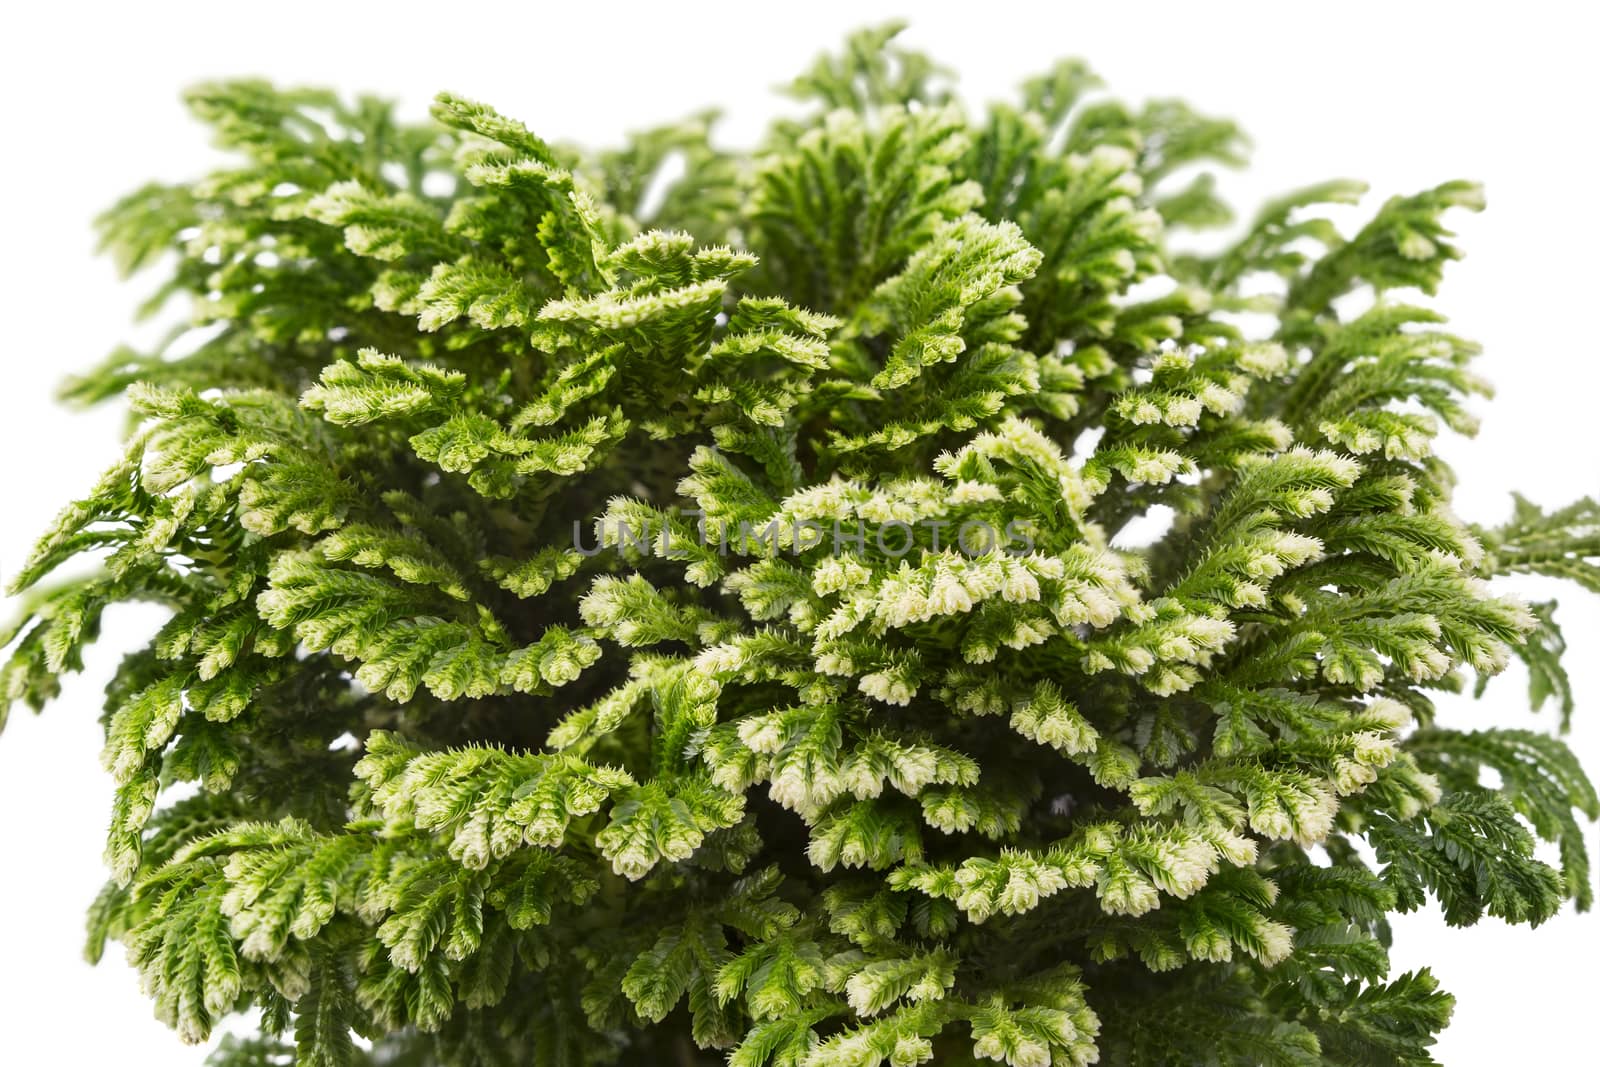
(667, 604)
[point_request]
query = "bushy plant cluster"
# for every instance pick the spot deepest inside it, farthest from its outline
(670, 604)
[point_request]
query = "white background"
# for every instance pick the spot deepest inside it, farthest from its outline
(1401, 95)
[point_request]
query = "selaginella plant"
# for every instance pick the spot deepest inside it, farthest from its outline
(667, 604)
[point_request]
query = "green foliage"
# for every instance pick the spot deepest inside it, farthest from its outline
(624, 618)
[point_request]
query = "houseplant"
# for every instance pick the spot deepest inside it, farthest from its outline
(618, 618)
